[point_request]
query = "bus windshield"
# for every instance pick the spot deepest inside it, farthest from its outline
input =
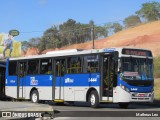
(137, 68)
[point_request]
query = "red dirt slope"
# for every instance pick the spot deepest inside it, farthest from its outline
(143, 36)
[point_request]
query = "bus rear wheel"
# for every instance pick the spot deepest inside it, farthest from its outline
(35, 96)
(94, 99)
(123, 105)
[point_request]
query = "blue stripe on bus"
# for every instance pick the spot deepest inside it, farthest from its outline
(46, 80)
(82, 79)
(134, 88)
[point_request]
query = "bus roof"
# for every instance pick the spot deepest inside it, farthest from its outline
(62, 53)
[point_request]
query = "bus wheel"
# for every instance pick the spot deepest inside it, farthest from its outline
(94, 99)
(34, 96)
(123, 105)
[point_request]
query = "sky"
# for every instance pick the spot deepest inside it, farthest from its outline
(32, 17)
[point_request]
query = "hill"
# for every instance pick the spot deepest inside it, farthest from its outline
(143, 36)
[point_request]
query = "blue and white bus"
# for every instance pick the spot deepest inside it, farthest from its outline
(117, 75)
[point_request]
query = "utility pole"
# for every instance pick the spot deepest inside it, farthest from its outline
(92, 35)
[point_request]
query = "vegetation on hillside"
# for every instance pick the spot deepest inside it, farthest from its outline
(132, 20)
(73, 32)
(150, 11)
(157, 89)
(157, 75)
(157, 67)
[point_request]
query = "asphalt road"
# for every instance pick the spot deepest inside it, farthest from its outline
(82, 111)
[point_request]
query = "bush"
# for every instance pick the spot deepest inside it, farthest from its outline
(157, 67)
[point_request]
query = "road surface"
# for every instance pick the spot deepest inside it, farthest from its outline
(82, 111)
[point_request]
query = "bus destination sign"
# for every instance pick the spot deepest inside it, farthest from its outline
(137, 52)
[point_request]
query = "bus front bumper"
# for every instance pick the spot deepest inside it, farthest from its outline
(142, 97)
(121, 95)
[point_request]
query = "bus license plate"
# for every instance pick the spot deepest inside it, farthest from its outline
(141, 95)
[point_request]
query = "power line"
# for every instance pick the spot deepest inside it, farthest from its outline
(38, 31)
(31, 31)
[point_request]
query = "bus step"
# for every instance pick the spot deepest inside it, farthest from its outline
(58, 100)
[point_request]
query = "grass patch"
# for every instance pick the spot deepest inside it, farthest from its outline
(157, 89)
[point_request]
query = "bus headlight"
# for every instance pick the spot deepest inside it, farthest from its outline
(124, 88)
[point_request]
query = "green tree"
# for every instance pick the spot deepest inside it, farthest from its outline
(150, 11)
(67, 33)
(25, 45)
(109, 28)
(113, 28)
(157, 67)
(131, 21)
(117, 27)
(66, 30)
(50, 39)
(34, 42)
(100, 32)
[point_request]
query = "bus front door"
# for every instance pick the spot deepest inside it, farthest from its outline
(108, 77)
(21, 80)
(59, 68)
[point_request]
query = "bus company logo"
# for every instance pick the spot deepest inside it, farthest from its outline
(68, 80)
(109, 50)
(33, 81)
(12, 81)
(134, 89)
(92, 79)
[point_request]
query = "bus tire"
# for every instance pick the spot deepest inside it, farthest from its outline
(35, 96)
(94, 99)
(123, 105)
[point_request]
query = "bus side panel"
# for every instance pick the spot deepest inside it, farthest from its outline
(43, 84)
(45, 93)
(11, 86)
(77, 85)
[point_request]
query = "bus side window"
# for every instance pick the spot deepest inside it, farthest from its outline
(33, 66)
(12, 68)
(92, 66)
(91, 63)
(74, 65)
(46, 66)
